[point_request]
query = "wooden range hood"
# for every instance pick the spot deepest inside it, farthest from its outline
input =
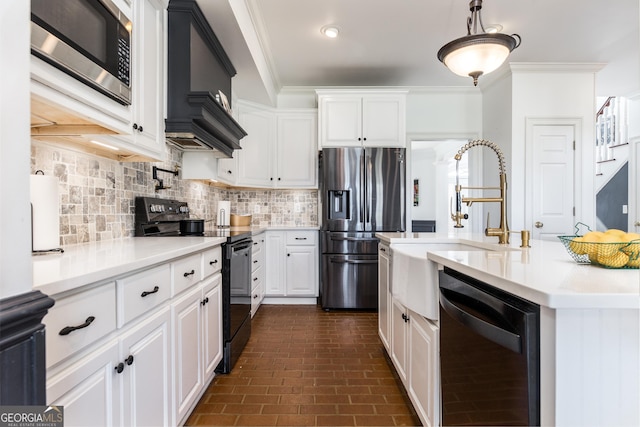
(198, 68)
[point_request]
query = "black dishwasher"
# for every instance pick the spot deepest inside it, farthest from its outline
(489, 354)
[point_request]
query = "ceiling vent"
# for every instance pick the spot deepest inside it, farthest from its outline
(199, 80)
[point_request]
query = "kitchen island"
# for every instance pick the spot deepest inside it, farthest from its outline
(589, 321)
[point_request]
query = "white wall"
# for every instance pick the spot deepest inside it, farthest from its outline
(496, 127)
(555, 91)
(15, 211)
(442, 113)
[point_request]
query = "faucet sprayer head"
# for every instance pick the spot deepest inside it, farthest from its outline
(486, 143)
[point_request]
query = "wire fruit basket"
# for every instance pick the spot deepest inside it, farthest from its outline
(616, 251)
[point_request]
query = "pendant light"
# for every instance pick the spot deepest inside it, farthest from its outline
(478, 52)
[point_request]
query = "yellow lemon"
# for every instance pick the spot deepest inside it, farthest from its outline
(577, 246)
(616, 260)
(590, 249)
(630, 236)
(616, 232)
(608, 245)
(593, 236)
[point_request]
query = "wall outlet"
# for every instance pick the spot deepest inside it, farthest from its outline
(625, 209)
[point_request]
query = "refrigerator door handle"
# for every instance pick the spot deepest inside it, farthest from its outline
(362, 191)
(368, 189)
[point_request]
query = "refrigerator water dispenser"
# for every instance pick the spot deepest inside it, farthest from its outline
(338, 204)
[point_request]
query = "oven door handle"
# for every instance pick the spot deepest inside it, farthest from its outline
(241, 246)
(491, 332)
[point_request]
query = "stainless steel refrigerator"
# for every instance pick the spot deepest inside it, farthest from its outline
(362, 191)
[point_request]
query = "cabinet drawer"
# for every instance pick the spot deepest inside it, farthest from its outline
(142, 291)
(257, 277)
(212, 261)
(82, 318)
(302, 237)
(186, 272)
(258, 243)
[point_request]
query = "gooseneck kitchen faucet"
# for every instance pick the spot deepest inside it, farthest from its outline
(502, 232)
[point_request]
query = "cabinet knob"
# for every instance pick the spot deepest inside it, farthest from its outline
(135, 126)
(140, 129)
(129, 360)
(538, 224)
(119, 367)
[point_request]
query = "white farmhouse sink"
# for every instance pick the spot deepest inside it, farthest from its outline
(414, 279)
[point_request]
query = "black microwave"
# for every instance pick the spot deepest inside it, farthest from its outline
(87, 39)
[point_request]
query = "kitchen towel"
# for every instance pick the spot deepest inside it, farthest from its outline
(45, 213)
(224, 213)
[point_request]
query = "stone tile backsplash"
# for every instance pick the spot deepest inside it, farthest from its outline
(97, 194)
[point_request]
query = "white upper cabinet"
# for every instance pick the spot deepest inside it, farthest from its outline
(255, 160)
(280, 149)
(353, 118)
(149, 41)
(296, 150)
(66, 111)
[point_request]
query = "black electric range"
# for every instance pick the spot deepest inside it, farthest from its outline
(155, 217)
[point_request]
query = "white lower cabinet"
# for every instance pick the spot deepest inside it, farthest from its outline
(123, 353)
(384, 295)
(415, 355)
(412, 342)
(423, 383)
(257, 272)
(399, 341)
(124, 382)
(89, 389)
(197, 332)
(146, 372)
(292, 263)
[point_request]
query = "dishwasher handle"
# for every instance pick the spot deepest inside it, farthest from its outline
(507, 339)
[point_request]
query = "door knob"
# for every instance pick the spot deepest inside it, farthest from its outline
(538, 224)
(637, 224)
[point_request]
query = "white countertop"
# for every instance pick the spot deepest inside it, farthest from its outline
(544, 273)
(87, 263)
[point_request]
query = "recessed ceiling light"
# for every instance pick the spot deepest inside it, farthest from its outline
(330, 31)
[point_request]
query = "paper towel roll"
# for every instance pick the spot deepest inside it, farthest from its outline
(223, 213)
(45, 216)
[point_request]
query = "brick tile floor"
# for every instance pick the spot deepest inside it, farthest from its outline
(307, 367)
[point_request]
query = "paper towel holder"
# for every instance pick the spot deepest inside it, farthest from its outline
(41, 251)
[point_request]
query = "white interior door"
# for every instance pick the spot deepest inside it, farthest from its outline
(553, 181)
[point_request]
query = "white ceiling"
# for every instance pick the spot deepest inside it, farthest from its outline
(276, 44)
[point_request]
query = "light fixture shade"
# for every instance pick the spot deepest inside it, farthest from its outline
(477, 54)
